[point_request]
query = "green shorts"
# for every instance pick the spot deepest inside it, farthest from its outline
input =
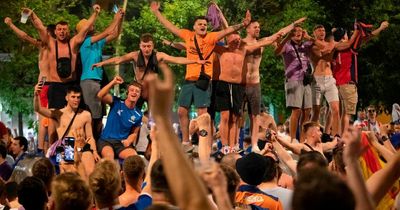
(192, 94)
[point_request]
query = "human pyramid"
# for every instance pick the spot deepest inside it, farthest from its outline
(222, 75)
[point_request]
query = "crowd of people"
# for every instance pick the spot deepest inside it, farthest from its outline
(139, 160)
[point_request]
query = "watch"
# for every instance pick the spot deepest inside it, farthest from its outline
(203, 133)
(384, 138)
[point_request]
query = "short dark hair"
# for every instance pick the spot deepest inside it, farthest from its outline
(74, 88)
(319, 189)
(12, 190)
(44, 170)
(146, 37)
(313, 157)
(133, 168)
(308, 125)
(136, 84)
(50, 28)
(318, 26)
(3, 149)
(159, 181)
(62, 23)
(200, 18)
(22, 142)
(271, 170)
(32, 193)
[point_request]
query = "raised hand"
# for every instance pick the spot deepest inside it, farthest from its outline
(353, 146)
(7, 21)
(117, 80)
(27, 10)
(384, 24)
(247, 19)
(154, 6)
(299, 21)
(96, 8)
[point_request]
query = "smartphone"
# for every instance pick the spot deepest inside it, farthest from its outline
(115, 9)
(42, 81)
(59, 154)
(69, 143)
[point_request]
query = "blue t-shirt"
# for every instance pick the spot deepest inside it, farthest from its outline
(91, 53)
(142, 203)
(120, 120)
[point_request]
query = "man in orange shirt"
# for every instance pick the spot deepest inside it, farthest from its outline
(192, 91)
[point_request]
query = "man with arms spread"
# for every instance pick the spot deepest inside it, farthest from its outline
(252, 71)
(146, 60)
(228, 87)
(206, 42)
(63, 117)
(123, 121)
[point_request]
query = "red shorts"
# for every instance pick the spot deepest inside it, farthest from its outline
(43, 96)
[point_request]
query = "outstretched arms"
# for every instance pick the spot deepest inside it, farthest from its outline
(112, 31)
(177, 60)
(78, 38)
(231, 29)
(21, 34)
(116, 60)
(264, 42)
(50, 113)
(155, 6)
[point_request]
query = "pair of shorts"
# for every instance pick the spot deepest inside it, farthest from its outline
(228, 96)
(349, 97)
(115, 144)
(44, 101)
(253, 98)
(90, 88)
(56, 95)
(191, 94)
(324, 86)
(298, 95)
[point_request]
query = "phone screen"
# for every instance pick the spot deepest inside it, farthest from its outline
(69, 143)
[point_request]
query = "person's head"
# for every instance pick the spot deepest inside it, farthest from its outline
(319, 189)
(83, 23)
(44, 170)
(200, 25)
(69, 191)
(232, 179)
(340, 34)
(371, 110)
(280, 127)
(230, 159)
(251, 168)
(19, 145)
(3, 150)
(32, 194)
(50, 30)
(234, 40)
(361, 115)
(253, 29)
(246, 142)
(105, 183)
(73, 97)
(62, 31)
(146, 44)
(319, 32)
(134, 171)
(297, 33)
(159, 183)
(311, 160)
(12, 191)
(133, 91)
(271, 172)
(312, 131)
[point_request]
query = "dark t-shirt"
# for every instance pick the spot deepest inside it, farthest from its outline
(5, 171)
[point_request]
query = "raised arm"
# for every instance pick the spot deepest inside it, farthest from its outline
(104, 94)
(294, 147)
(38, 24)
(189, 193)
(111, 32)
(50, 113)
(176, 45)
(177, 60)
(264, 42)
(234, 28)
(330, 145)
(280, 45)
(155, 6)
(347, 44)
(116, 60)
(80, 37)
(290, 27)
(383, 26)
(284, 155)
(21, 34)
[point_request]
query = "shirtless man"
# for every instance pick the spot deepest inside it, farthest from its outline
(192, 94)
(62, 117)
(229, 90)
(252, 71)
(312, 140)
(62, 55)
(325, 84)
(146, 60)
(43, 64)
